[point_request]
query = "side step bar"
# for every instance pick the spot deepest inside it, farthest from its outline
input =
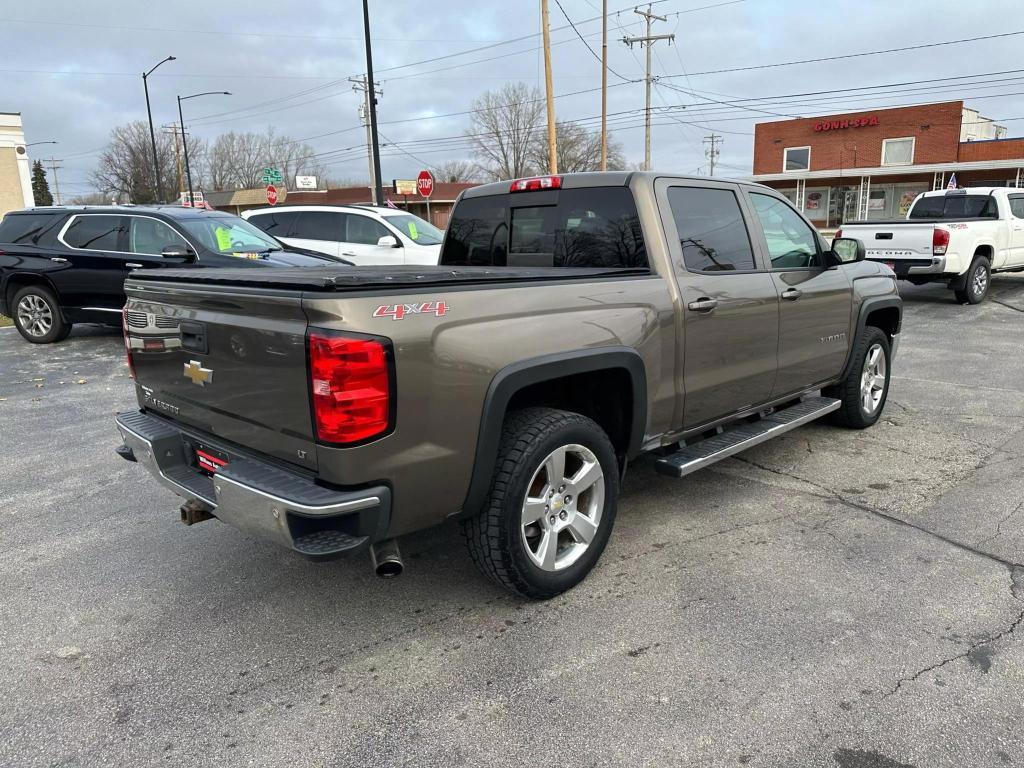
(742, 436)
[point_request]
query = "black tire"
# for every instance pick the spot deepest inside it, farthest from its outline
(853, 413)
(46, 304)
(980, 273)
(497, 539)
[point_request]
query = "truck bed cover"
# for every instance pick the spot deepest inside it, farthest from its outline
(342, 278)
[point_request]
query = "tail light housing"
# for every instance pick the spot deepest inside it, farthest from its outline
(838, 234)
(940, 241)
(536, 183)
(127, 341)
(352, 387)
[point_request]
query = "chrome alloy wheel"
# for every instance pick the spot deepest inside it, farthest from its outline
(35, 315)
(979, 280)
(872, 381)
(563, 506)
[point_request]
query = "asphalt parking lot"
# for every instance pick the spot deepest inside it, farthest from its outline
(832, 598)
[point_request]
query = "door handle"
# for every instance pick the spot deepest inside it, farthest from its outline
(132, 265)
(58, 260)
(702, 305)
(347, 253)
(792, 294)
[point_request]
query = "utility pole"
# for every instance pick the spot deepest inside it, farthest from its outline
(712, 152)
(56, 184)
(552, 125)
(173, 129)
(360, 84)
(604, 85)
(378, 191)
(647, 41)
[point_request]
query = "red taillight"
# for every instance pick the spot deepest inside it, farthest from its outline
(940, 241)
(127, 341)
(350, 385)
(838, 234)
(537, 182)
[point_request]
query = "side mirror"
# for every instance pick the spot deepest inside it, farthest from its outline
(847, 250)
(178, 253)
(388, 241)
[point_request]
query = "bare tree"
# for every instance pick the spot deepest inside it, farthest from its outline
(452, 171)
(125, 172)
(578, 150)
(504, 125)
(237, 160)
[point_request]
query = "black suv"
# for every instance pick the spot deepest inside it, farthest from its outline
(65, 265)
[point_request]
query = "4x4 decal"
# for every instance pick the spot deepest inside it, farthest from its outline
(399, 311)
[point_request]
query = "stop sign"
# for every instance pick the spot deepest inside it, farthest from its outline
(425, 183)
(271, 194)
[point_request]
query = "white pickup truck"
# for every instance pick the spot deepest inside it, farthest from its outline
(957, 236)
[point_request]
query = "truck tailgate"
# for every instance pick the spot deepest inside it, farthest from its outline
(894, 241)
(230, 362)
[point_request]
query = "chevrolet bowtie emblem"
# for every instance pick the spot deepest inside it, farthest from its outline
(194, 370)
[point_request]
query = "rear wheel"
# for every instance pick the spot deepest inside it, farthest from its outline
(37, 315)
(979, 278)
(551, 506)
(864, 390)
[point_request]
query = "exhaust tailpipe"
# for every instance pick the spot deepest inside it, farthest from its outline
(387, 560)
(194, 511)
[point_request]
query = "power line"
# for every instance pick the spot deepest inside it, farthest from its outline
(583, 40)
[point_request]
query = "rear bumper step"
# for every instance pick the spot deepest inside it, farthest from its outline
(743, 436)
(258, 497)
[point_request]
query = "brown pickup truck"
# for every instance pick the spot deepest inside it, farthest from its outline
(573, 323)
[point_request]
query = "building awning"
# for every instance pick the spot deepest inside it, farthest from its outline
(892, 170)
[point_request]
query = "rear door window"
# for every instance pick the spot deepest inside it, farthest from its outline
(275, 223)
(319, 225)
(30, 228)
(97, 232)
(712, 233)
(594, 227)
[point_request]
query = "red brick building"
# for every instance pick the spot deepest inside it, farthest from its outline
(871, 164)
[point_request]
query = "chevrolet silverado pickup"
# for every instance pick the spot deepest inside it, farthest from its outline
(959, 237)
(573, 323)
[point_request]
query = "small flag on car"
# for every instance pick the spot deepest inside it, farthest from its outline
(952, 182)
(390, 204)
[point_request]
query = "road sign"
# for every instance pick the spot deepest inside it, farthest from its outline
(404, 186)
(425, 183)
(271, 194)
(272, 176)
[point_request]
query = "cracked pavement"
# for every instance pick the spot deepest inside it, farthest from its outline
(831, 598)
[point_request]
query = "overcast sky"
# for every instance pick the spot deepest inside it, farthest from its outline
(72, 69)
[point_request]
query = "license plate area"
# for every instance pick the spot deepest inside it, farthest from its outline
(204, 457)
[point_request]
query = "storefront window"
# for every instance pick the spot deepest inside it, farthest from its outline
(796, 159)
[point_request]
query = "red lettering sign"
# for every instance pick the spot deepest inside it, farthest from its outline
(835, 125)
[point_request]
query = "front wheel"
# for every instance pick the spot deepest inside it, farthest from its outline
(979, 277)
(551, 506)
(866, 386)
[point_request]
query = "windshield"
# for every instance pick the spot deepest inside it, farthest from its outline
(229, 235)
(416, 229)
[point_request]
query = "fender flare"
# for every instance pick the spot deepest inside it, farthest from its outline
(31, 277)
(959, 282)
(868, 306)
(513, 378)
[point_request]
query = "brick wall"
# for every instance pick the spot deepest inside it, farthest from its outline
(1003, 149)
(936, 128)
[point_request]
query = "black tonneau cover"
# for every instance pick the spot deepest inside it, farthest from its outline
(343, 278)
(897, 222)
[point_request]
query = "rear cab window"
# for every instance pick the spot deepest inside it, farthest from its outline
(955, 205)
(588, 227)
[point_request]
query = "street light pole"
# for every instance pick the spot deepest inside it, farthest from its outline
(152, 135)
(184, 140)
